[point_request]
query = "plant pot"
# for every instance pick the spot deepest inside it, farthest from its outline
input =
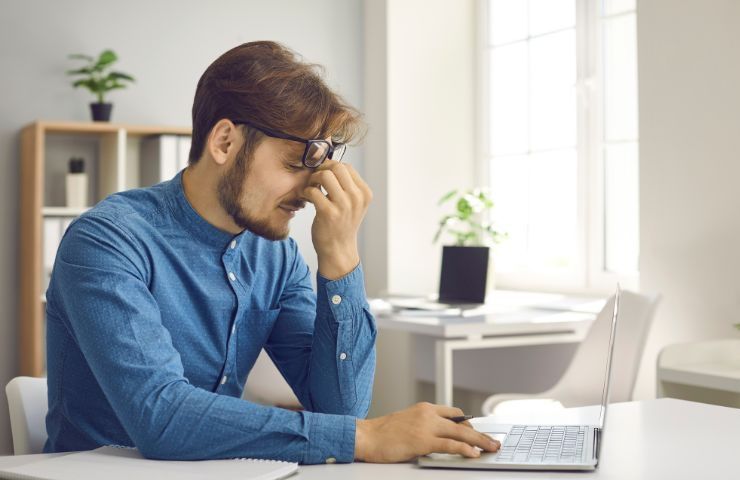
(464, 274)
(101, 111)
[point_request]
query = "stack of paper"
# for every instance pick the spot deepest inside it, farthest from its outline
(112, 463)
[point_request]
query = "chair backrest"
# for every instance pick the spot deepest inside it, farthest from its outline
(582, 382)
(28, 404)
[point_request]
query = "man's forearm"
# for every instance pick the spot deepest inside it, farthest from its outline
(343, 353)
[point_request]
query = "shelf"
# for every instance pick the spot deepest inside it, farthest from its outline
(63, 211)
(113, 151)
(106, 127)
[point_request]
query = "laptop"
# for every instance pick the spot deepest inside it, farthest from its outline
(541, 447)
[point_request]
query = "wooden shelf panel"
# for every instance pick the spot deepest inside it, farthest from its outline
(63, 211)
(106, 127)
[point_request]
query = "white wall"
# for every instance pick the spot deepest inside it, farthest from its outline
(431, 129)
(166, 45)
(689, 82)
(419, 61)
(420, 105)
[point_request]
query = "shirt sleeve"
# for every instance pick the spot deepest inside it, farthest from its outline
(101, 277)
(324, 343)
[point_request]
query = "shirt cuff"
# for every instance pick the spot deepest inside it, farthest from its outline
(342, 294)
(331, 439)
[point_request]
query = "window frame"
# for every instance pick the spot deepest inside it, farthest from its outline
(589, 275)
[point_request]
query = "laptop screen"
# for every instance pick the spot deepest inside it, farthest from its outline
(610, 354)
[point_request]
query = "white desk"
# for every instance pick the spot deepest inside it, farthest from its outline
(516, 319)
(652, 440)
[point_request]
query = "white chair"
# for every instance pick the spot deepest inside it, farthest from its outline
(582, 382)
(28, 404)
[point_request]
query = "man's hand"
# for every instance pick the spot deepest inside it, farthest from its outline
(418, 430)
(339, 214)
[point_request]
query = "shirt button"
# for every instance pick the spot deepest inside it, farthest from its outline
(342, 356)
(336, 299)
(331, 460)
(233, 244)
(223, 379)
(232, 277)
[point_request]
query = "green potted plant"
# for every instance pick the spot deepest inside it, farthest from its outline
(97, 77)
(466, 273)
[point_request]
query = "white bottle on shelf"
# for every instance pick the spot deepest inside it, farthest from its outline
(76, 184)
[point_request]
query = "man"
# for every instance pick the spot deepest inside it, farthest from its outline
(161, 298)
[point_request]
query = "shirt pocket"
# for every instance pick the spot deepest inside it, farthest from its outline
(251, 335)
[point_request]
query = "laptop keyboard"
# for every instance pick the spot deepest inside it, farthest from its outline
(543, 444)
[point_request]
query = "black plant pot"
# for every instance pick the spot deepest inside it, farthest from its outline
(464, 274)
(101, 111)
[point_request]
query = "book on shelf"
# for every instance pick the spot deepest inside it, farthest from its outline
(51, 237)
(53, 231)
(162, 156)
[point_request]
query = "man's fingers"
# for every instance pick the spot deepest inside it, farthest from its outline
(356, 176)
(348, 184)
(447, 412)
(494, 444)
(462, 431)
(317, 197)
(356, 180)
(470, 436)
(361, 184)
(328, 180)
(447, 445)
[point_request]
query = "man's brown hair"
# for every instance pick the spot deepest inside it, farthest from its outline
(268, 85)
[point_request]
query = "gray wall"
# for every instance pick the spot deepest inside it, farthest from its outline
(166, 45)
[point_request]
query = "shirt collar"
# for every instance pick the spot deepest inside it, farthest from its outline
(191, 220)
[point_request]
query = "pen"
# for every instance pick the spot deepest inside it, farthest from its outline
(461, 418)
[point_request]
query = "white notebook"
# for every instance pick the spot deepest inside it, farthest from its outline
(112, 463)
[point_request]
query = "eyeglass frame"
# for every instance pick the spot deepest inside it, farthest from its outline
(285, 136)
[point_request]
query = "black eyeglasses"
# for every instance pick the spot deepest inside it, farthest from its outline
(316, 150)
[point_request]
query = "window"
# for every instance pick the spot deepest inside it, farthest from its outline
(560, 141)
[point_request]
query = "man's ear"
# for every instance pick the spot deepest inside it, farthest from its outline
(222, 141)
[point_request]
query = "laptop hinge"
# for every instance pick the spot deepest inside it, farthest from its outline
(597, 443)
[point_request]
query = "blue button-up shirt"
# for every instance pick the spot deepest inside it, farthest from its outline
(155, 318)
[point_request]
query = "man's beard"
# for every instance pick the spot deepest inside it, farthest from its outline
(230, 190)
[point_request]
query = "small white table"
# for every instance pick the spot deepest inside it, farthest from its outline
(709, 364)
(662, 439)
(515, 319)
